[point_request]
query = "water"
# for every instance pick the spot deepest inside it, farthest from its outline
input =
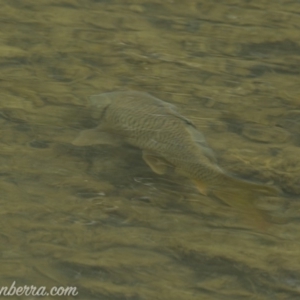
(96, 217)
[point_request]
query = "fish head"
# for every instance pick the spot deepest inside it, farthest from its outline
(99, 103)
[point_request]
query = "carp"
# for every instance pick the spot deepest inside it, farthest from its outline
(166, 139)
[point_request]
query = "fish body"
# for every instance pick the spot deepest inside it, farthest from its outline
(155, 127)
(167, 139)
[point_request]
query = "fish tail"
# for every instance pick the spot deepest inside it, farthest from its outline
(240, 195)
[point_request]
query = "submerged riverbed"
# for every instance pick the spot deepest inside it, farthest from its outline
(97, 217)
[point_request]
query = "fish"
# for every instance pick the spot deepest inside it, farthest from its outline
(169, 139)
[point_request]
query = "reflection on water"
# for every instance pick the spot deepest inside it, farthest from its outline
(97, 217)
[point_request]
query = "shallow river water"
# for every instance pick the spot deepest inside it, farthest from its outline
(97, 218)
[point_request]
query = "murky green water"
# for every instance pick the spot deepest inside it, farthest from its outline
(96, 217)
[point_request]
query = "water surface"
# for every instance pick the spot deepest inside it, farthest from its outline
(96, 217)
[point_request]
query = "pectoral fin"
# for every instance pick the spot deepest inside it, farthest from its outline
(157, 164)
(93, 137)
(202, 187)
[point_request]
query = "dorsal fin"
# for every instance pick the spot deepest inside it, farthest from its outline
(198, 137)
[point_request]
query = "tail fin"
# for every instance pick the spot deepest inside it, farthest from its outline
(241, 194)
